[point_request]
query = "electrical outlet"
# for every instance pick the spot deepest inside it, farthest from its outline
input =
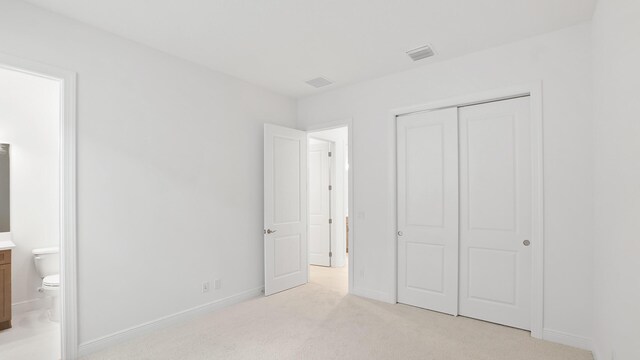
(217, 284)
(205, 287)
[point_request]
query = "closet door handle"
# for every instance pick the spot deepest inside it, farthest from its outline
(526, 243)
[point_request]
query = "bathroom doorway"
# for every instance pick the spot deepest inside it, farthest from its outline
(37, 211)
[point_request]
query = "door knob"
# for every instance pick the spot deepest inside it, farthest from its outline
(399, 233)
(526, 243)
(269, 231)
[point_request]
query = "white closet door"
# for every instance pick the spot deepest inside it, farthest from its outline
(319, 203)
(428, 210)
(285, 208)
(495, 212)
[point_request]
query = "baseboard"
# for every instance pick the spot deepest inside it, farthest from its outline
(547, 334)
(374, 294)
(30, 305)
(596, 353)
(163, 322)
(567, 339)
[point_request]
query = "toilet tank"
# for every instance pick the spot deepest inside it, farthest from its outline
(47, 261)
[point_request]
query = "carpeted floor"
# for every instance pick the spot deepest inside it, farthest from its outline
(320, 321)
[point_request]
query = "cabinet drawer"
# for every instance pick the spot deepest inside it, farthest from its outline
(5, 257)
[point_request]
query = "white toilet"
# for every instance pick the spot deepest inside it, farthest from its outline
(47, 261)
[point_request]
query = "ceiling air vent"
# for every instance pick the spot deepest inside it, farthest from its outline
(420, 53)
(319, 82)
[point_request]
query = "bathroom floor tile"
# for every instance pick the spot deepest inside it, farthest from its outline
(32, 337)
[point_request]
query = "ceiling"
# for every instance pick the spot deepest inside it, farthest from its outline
(280, 44)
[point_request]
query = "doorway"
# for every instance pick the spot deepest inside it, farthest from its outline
(468, 207)
(38, 132)
(328, 204)
(287, 212)
(321, 207)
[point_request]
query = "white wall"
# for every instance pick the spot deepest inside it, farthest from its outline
(29, 122)
(169, 171)
(561, 60)
(616, 31)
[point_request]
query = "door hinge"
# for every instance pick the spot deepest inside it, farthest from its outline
(330, 187)
(330, 254)
(330, 221)
(329, 153)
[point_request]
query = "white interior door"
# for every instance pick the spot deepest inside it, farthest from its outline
(319, 202)
(495, 212)
(285, 208)
(428, 210)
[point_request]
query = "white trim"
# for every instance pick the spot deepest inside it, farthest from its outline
(564, 338)
(118, 337)
(596, 353)
(333, 125)
(534, 91)
(374, 294)
(68, 253)
(22, 307)
(537, 219)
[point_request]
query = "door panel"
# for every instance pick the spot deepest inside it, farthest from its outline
(497, 265)
(286, 255)
(5, 292)
(425, 266)
(424, 175)
(285, 208)
(491, 170)
(428, 210)
(319, 203)
(286, 180)
(495, 212)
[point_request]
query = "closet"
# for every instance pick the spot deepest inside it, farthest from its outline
(464, 197)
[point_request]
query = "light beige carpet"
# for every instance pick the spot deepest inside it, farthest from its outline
(320, 321)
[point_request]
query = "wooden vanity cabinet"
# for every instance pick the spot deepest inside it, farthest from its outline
(5, 289)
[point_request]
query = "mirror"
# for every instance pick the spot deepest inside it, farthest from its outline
(4, 188)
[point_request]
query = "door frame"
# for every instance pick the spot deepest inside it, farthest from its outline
(68, 227)
(348, 123)
(534, 91)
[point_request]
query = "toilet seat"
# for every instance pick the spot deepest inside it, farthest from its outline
(51, 281)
